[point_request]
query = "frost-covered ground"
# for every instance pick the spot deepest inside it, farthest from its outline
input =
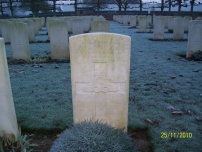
(159, 80)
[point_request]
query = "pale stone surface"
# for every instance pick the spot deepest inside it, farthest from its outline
(69, 23)
(99, 18)
(133, 21)
(31, 32)
(100, 68)
(59, 39)
(198, 18)
(6, 25)
(159, 27)
(186, 20)
(178, 29)
(8, 121)
(20, 41)
(125, 19)
(194, 37)
(77, 26)
(49, 20)
(100, 26)
(149, 20)
(171, 23)
(166, 18)
(86, 24)
(142, 23)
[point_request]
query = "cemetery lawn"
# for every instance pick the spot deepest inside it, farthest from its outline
(165, 92)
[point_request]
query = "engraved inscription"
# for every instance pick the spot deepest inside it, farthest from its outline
(101, 83)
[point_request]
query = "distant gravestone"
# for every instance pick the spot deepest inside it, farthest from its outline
(133, 21)
(100, 67)
(186, 20)
(198, 18)
(171, 23)
(149, 20)
(142, 23)
(8, 120)
(178, 29)
(100, 26)
(77, 26)
(125, 19)
(166, 18)
(194, 37)
(5, 29)
(20, 41)
(69, 23)
(59, 40)
(86, 23)
(159, 25)
(31, 31)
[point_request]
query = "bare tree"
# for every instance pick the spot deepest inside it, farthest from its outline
(127, 4)
(192, 5)
(170, 4)
(8, 5)
(96, 4)
(75, 5)
(119, 4)
(162, 5)
(3, 7)
(35, 5)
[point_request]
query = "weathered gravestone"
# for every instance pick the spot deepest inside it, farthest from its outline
(149, 20)
(100, 67)
(8, 121)
(86, 23)
(178, 29)
(20, 41)
(198, 18)
(194, 37)
(126, 19)
(142, 23)
(59, 39)
(186, 20)
(100, 26)
(77, 26)
(133, 21)
(171, 23)
(31, 30)
(5, 29)
(159, 28)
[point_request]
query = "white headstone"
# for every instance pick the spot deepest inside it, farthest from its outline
(171, 23)
(166, 18)
(198, 18)
(6, 25)
(194, 37)
(77, 26)
(133, 21)
(20, 41)
(59, 40)
(69, 23)
(100, 68)
(149, 20)
(8, 120)
(86, 23)
(31, 31)
(186, 20)
(100, 26)
(142, 23)
(125, 19)
(178, 29)
(159, 28)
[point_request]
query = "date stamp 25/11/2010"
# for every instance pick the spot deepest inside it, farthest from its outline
(176, 134)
